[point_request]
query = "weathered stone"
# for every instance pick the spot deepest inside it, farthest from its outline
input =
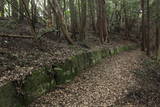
(44, 80)
(9, 96)
(111, 51)
(59, 75)
(37, 84)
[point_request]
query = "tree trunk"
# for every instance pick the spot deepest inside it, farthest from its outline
(64, 8)
(102, 21)
(49, 15)
(83, 19)
(143, 26)
(2, 8)
(157, 29)
(91, 5)
(126, 20)
(59, 15)
(148, 28)
(74, 21)
(21, 9)
(14, 10)
(9, 10)
(34, 11)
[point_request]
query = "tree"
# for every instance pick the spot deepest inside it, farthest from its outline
(33, 11)
(148, 28)
(59, 15)
(14, 10)
(21, 10)
(83, 16)
(143, 26)
(102, 21)
(74, 19)
(49, 14)
(157, 29)
(91, 5)
(126, 19)
(2, 8)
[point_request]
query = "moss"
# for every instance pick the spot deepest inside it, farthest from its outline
(44, 80)
(116, 50)
(59, 75)
(76, 64)
(37, 84)
(99, 56)
(93, 57)
(72, 66)
(103, 53)
(125, 48)
(66, 72)
(107, 53)
(131, 47)
(82, 61)
(89, 57)
(9, 96)
(121, 48)
(111, 51)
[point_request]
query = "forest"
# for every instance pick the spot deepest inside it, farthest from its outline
(79, 53)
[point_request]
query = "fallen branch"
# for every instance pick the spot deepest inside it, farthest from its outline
(16, 36)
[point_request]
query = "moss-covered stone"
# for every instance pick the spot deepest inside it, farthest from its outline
(111, 51)
(118, 50)
(103, 53)
(9, 96)
(107, 53)
(66, 72)
(37, 84)
(77, 63)
(125, 48)
(73, 65)
(44, 80)
(59, 75)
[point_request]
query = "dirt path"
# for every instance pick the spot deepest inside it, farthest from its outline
(110, 83)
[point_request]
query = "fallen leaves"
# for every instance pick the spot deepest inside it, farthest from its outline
(102, 85)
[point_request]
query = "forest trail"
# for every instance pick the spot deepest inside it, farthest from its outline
(110, 83)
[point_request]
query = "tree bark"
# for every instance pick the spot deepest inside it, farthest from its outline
(102, 21)
(148, 28)
(2, 8)
(14, 10)
(126, 20)
(83, 19)
(143, 26)
(74, 20)
(91, 5)
(34, 11)
(58, 13)
(157, 29)
(21, 9)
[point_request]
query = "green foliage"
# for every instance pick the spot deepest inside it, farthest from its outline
(67, 12)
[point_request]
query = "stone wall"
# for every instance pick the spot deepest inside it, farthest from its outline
(22, 92)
